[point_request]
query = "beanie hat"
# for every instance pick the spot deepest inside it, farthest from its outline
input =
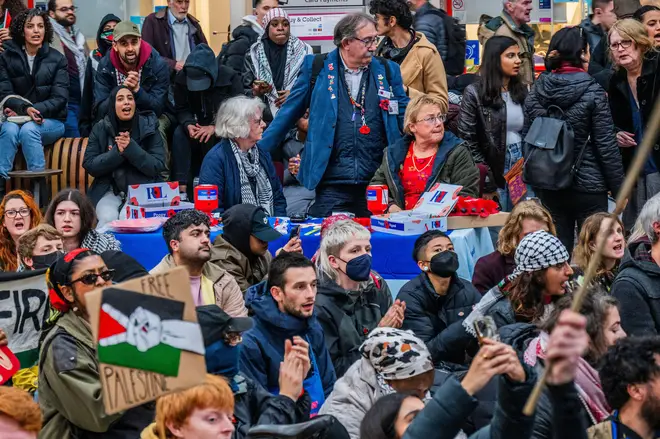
(539, 250)
(272, 14)
(396, 354)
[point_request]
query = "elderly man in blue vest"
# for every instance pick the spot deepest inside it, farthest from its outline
(357, 103)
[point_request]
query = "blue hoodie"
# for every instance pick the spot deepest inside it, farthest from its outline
(262, 349)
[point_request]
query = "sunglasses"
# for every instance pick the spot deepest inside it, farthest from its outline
(90, 278)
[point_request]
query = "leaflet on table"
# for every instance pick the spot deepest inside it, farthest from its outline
(430, 213)
(154, 200)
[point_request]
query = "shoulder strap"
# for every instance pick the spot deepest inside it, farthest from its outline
(375, 279)
(317, 66)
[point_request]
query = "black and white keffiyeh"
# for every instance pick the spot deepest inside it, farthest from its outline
(537, 251)
(250, 168)
(100, 242)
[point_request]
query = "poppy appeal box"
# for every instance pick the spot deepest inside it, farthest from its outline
(430, 213)
(154, 200)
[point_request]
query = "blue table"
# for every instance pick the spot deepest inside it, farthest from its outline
(392, 253)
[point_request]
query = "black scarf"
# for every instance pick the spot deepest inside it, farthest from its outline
(276, 55)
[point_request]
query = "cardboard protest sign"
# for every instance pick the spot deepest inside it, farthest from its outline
(9, 364)
(148, 340)
(23, 311)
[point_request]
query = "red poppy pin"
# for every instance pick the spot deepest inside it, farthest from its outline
(385, 104)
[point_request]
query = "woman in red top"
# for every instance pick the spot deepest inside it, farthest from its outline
(427, 154)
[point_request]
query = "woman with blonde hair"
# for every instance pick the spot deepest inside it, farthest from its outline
(19, 213)
(633, 89)
(426, 155)
(525, 218)
(590, 236)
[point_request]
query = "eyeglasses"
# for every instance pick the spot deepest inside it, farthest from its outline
(625, 44)
(432, 120)
(90, 278)
(21, 212)
(65, 9)
(368, 42)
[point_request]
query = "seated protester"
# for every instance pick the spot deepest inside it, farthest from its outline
(352, 299)
(70, 393)
(541, 277)
(283, 308)
(133, 63)
(603, 329)
(273, 63)
(34, 84)
(243, 172)
(73, 215)
(103, 45)
(20, 416)
(629, 375)
(637, 282)
(19, 214)
(242, 249)
(199, 90)
(125, 148)
(405, 366)
(442, 416)
(254, 405)
(649, 16)
(525, 218)
(39, 248)
(298, 197)
(589, 238)
(437, 300)
(187, 235)
(426, 155)
(200, 412)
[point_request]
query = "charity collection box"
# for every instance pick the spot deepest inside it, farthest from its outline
(154, 200)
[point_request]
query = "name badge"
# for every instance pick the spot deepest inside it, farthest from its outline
(393, 108)
(384, 94)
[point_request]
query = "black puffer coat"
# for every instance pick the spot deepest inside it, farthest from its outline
(586, 108)
(47, 87)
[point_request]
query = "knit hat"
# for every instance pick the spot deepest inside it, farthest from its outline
(274, 13)
(539, 250)
(396, 354)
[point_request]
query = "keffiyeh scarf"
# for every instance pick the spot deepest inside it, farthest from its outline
(77, 47)
(250, 168)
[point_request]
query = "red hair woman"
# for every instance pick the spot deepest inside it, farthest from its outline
(19, 214)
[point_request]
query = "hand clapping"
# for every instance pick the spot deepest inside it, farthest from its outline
(394, 316)
(122, 141)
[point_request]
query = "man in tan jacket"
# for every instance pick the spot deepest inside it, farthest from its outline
(187, 235)
(513, 22)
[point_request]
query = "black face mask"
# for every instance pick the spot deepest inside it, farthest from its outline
(444, 264)
(44, 261)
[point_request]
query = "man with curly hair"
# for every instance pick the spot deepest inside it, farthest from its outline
(20, 416)
(630, 377)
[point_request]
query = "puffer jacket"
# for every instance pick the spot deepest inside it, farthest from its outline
(484, 130)
(429, 22)
(47, 87)
(586, 108)
(453, 164)
(437, 320)
(242, 38)
(347, 317)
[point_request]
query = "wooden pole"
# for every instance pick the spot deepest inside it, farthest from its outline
(653, 128)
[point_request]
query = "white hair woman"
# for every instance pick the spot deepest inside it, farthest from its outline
(351, 299)
(242, 171)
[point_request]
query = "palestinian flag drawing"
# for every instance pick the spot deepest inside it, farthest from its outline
(145, 332)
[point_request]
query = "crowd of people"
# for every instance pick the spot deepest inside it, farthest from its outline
(293, 341)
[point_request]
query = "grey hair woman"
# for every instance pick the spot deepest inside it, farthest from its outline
(243, 173)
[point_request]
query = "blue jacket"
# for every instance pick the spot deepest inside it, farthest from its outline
(221, 168)
(262, 349)
(323, 114)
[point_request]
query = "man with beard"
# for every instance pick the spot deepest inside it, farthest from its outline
(283, 307)
(187, 235)
(38, 248)
(70, 42)
(649, 16)
(630, 377)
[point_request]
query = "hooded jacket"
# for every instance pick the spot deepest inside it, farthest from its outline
(453, 164)
(85, 119)
(595, 32)
(637, 287)
(587, 110)
(242, 38)
(228, 295)
(47, 86)
(262, 349)
(202, 106)
(142, 161)
(437, 320)
(231, 250)
(154, 82)
(347, 317)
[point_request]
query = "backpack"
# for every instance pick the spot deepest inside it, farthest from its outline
(549, 150)
(319, 63)
(456, 42)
